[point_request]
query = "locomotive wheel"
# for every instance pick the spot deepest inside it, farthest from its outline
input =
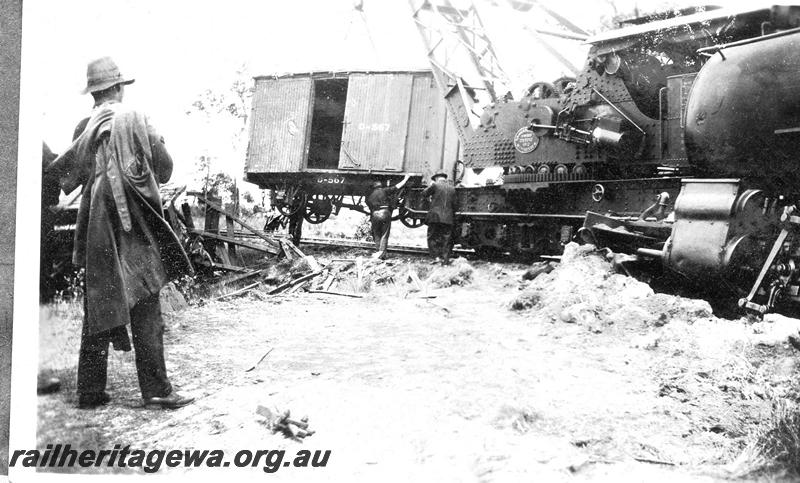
(318, 208)
(408, 219)
(295, 199)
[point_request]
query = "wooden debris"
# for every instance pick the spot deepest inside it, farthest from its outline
(281, 288)
(412, 274)
(230, 268)
(283, 423)
(232, 254)
(222, 254)
(243, 276)
(328, 292)
(252, 246)
(312, 263)
(240, 291)
(653, 461)
(293, 253)
(297, 287)
(288, 250)
(260, 360)
(326, 285)
(216, 207)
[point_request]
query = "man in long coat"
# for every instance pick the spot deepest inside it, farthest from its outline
(441, 217)
(128, 250)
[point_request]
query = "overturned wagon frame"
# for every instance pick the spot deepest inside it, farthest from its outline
(319, 140)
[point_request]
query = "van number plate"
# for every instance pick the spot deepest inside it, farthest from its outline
(330, 180)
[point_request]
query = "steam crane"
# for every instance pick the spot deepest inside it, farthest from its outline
(462, 57)
(500, 135)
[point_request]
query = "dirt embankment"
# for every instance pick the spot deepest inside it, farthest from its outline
(456, 373)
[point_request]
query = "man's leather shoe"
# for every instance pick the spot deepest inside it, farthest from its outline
(173, 401)
(91, 400)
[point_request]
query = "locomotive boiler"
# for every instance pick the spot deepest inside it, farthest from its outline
(679, 142)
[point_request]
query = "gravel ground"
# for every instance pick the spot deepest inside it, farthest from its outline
(579, 374)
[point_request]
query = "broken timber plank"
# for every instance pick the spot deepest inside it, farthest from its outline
(318, 283)
(245, 244)
(259, 362)
(230, 268)
(216, 207)
(211, 225)
(211, 217)
(291, 283)
(234, 257)
(297, 287)
(243, 276)
(326, 285)
(222, 254)
(286, 246)
(343, 294)
(240, 291)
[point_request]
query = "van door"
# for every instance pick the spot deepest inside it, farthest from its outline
(376, 122)
(279, 125)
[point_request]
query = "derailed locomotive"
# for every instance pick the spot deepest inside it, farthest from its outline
(679, 141)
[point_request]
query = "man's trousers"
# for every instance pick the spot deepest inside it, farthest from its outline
(381, 220)
(147, 331)
(440, 240)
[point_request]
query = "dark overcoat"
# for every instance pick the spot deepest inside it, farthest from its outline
(444, 203)
(128, 249)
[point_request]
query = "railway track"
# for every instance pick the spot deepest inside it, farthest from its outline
(351, 243)
(346, 242)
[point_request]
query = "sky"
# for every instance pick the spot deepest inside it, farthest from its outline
(176, 49)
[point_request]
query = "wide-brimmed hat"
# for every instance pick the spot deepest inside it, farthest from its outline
(103, 73)
(376, 184)
(439, 174)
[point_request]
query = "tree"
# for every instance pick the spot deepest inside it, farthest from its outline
(226, 113)
(234, 102)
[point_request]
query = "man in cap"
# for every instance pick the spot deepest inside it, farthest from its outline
(441, 217)
(380, 202)
(122, 241)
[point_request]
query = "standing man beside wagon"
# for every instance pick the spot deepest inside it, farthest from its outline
(381, 202)
(441, 217)
(128, 250)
